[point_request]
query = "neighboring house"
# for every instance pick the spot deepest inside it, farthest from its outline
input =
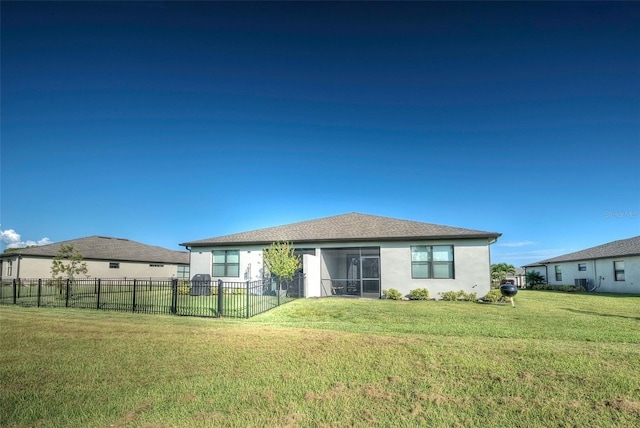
(613, 267)
(105, 258)
(358, 255)
(517, 278)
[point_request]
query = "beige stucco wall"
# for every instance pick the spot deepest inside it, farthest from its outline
(37, 267)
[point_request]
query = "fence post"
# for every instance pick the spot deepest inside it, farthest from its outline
(66, 297)
(248, 299)
(220, 297)
(15, 291)
(133, 304)
(39, 290)
(278, 290)
(174, 296)
(98, 285)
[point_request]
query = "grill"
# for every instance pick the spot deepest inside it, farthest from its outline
(509, 290)
(200, 285)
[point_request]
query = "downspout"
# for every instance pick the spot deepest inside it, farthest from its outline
(189, 250)
(491, 241)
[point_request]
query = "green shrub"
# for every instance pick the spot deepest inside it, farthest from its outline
(184, 289)
(450, 296)
(563, 288)
(493, 296)
(392, 294)
(419, 294)
(468, 297)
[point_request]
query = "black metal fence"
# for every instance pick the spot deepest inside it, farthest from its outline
(154, 296)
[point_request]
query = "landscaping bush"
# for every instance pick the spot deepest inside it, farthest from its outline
(449, 296)
(493, 296)
(184, 289)
(468, 297)
(419, 294)
(452, 296)
(563, 288)
(392, 294)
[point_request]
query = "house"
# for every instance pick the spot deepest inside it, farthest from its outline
(358, 255)
(517, 278)
(105, 257)
(613, 267)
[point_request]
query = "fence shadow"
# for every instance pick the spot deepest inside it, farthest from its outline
(578, 311)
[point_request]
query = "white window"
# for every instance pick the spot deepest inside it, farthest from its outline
(558, 269)
(226, 263)
(618, 270)
(434, 262)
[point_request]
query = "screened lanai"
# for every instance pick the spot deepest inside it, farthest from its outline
(353, 271)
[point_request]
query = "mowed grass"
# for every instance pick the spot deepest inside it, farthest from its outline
(553, 360)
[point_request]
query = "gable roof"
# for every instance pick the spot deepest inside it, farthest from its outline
(620, 248)
(345, 227)
(107, 248)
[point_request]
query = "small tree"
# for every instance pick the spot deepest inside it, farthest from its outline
(499, 271)
(281, 260)
(534, 278)
(66, 265)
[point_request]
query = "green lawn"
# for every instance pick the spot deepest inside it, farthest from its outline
(553, 360)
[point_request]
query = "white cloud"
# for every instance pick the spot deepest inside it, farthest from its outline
(13, 239)
(9, 237)
(43, 241)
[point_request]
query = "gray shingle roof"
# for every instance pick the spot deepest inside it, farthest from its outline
(345, 227)
(623, 247)
(107, 248)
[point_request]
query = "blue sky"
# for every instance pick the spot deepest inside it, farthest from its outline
(174, 121)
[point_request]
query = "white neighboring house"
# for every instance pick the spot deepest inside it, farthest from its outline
(613, 267)
(358, 255)
(105, 257)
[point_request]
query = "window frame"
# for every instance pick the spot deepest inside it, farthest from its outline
(618, 272)
(582, 267)
(558, 271)
(431, 264)
(114, 265)
(226, 266)
(183, 271)
(9, 267)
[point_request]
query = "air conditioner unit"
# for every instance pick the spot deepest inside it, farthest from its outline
(584, 283)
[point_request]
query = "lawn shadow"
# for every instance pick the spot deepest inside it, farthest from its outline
(600, 314)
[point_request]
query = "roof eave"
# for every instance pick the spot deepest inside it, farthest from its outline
(345, 240)
(577, 259)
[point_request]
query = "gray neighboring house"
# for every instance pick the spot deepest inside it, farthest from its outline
(358, 255)
(106, 257)
(517, 278)
(613, 267)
